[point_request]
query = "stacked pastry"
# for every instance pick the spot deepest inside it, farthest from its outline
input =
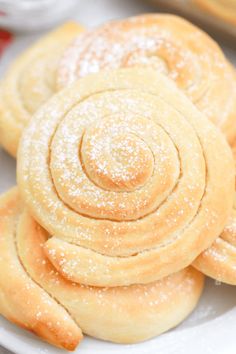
(123, 180)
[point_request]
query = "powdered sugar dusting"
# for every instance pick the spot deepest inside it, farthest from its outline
(188, 57)
(120, 175)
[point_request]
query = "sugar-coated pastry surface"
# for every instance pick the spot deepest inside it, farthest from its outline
(168, 44)
(36, 297)
(127, 175)
(29, 82)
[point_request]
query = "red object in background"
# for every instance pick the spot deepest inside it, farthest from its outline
(5, 39)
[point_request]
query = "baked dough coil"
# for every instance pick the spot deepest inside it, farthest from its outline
(29, 82)
(219, 261)
(128, 177)
(35, 296)
(168, 44)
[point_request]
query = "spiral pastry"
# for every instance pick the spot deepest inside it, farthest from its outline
(169, 45)
(223, 9)
(127, 176)
(35, 296)
(219, 261)
(30, 82)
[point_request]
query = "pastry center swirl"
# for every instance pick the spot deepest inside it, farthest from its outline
(116, 160)
(119, 166)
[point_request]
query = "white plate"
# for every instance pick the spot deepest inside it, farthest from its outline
(211, 327)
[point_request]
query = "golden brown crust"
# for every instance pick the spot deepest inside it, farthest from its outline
(24, 301)
(124, 314)
(223, 9)
(29, 82)
(142, 229)
(168, 44)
